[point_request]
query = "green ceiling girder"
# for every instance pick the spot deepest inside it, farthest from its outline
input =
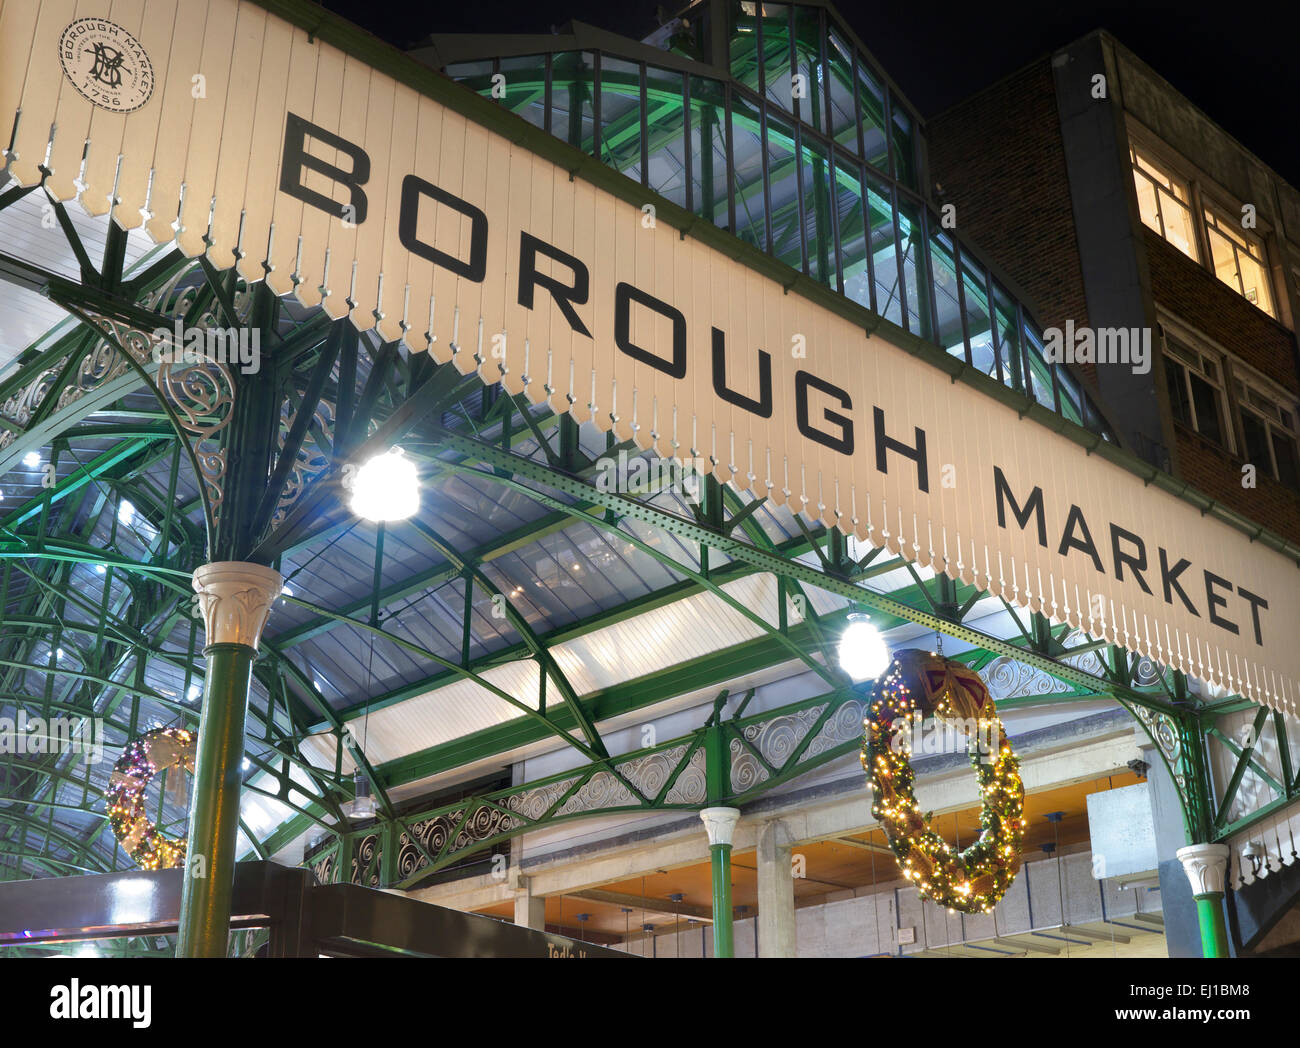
(84, 857)
(796, 763)
(60, 422)
(37, 548)
(189, 716)
(668, 594)
(507, 468)
(547, 667)
(640, 693)
(78, 479)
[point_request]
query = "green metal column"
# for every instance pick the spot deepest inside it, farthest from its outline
(724, 942)
(721, 823)
(1214, 932)
(236, 600)
(214, 814)
(1205, 866)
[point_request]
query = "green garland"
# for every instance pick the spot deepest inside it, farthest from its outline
(973, 880)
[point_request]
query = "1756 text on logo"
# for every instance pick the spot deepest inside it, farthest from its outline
(106, 64)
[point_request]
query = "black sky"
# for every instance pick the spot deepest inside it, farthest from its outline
(1235, 63)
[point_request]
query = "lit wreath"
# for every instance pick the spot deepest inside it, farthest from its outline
(918, 682)
(154, 751)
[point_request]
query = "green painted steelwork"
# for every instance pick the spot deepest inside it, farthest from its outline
(720, 874)
(1214, 930)
(214, 817)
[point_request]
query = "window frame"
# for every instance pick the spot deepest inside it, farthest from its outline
(1192, 342)
(1240, 239)
(1249, 383)
(1236, 381)
(1204, 196)
(1161, 191)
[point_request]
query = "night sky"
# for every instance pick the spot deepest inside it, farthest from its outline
(1234, 63)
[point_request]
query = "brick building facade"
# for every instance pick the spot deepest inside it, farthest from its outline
(1145, 214)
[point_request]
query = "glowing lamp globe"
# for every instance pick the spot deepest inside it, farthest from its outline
(386, 488)
(863, 653)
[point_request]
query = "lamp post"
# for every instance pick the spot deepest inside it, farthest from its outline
(235, 598)
(721, 825)
(1206, 866)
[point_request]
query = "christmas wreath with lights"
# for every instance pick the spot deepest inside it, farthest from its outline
(156, 751)
(917, 687)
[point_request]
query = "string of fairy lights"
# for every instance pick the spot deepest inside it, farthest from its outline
(916, 689)
(154, 752)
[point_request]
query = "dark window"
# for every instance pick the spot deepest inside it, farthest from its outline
(1206, 399)
(1285, 456)
(1194, 398)
(1180, 402)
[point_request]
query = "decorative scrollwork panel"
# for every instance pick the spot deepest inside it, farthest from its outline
(199, 388)
(534, 803)
(844, 725)
(747, 771)
(311, 459)
(778, 738)
(429, 837)
(649, 774)
(366, 858)
(691, 786)
(602, 790)
(325, 867)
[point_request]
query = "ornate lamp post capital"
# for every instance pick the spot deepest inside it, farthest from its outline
(1206, 866)
(236, 599)
(720, 823)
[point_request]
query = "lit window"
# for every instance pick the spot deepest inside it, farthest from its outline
(1164, 203)
(1239, 259)
(1268, 427)
(1195, 390)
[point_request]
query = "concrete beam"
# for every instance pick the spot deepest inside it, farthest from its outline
(842, 808)
(637, 902)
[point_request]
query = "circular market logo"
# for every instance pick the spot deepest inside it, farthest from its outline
(106, 64)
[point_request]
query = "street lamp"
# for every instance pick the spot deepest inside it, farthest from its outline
(387, 487)
(863, 653)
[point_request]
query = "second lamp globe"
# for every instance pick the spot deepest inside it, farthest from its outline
(387, 487)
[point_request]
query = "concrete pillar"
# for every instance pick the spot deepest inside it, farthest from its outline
(530, 909)
(776, 926)
(236, 600)
(1205, 866)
